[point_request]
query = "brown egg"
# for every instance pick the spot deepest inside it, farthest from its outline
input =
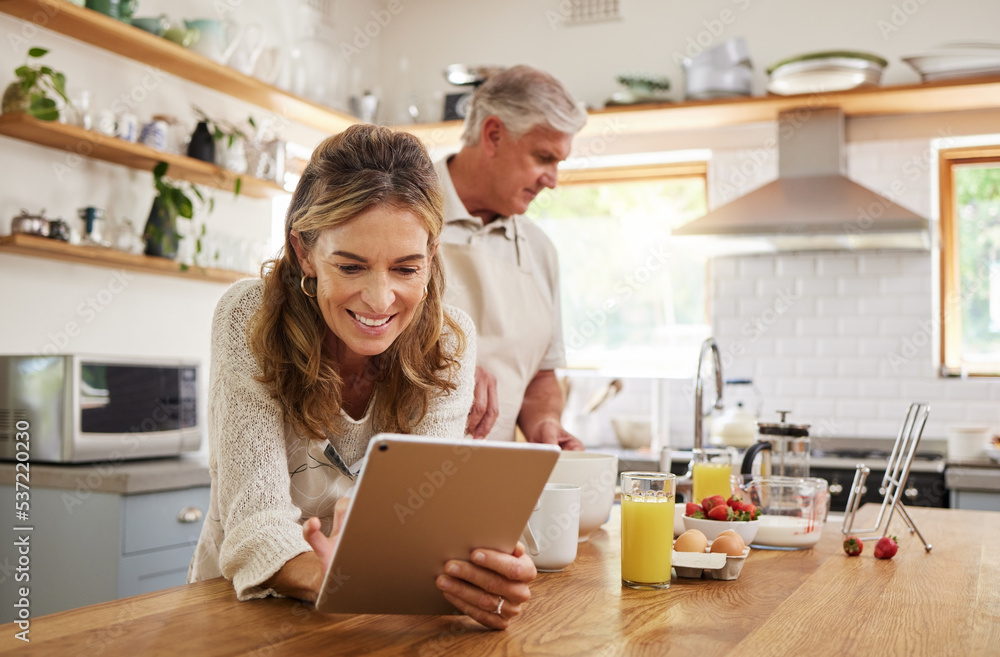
(691, 541)
(732, 532)
(728, 545)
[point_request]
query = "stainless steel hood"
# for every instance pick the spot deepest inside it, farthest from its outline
(812, 206)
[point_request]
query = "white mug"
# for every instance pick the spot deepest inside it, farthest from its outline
(551, 534)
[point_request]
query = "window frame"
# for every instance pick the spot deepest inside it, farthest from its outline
(950, 308)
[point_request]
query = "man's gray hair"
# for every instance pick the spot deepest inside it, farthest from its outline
(522, 98)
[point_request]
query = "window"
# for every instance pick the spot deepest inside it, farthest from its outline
(631, 300)
(970, 260)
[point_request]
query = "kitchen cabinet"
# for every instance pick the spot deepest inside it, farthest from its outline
(103, 531)
(974, 485)
(88, 547)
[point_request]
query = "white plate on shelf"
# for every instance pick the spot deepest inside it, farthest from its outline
(823, 75)
(956, 61)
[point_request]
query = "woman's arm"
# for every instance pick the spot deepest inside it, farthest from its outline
(302, 576)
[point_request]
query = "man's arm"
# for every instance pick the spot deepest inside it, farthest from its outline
(541, 411)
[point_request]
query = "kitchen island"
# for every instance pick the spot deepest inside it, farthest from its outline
(810, 602)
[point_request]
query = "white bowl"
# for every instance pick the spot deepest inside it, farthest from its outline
(596, 474)
(632, 433)
(747, 529)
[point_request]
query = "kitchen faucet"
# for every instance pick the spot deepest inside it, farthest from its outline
(699, 418)
(685, 484)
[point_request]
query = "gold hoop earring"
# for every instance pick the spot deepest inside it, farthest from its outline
(302, 284)
(424, 298)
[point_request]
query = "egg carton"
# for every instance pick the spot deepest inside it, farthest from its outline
(694, 565)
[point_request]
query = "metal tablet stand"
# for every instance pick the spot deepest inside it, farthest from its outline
(896, 473)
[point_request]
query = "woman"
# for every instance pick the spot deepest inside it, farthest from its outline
(344, 337)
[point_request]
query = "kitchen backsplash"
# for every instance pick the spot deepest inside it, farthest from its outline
(845, 341)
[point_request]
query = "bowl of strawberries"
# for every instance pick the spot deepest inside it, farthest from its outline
(716, 514)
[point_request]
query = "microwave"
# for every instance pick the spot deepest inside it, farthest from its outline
(77, 409)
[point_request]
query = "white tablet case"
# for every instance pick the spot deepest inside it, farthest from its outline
(421, 501)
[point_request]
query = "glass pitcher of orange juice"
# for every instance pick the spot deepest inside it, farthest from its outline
(712, 472)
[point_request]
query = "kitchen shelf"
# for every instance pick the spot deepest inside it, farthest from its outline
(115, 36)
(43, 247)
(929, 97)
(76, 141)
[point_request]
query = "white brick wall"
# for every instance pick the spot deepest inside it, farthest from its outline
(853, 349)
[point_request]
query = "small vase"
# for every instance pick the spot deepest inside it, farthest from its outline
(202, 146)
(160, 233)
(15, 100)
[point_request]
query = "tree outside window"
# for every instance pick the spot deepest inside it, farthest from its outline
(632, 300)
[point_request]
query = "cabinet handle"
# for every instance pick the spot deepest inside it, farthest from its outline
(910, 493)
(189, 514)
(836, 489)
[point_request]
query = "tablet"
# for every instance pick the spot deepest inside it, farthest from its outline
(421, 501)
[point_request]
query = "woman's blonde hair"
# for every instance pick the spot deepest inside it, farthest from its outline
(350, 173)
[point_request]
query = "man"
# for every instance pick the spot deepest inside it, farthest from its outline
(501, 268)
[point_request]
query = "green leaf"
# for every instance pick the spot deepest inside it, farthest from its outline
(251, 122)
(184, 267)
(237, 186)
(160, 169)
(43, 108)
(183, 203)
(45, 114)
(197, 192)
(28, 80)
(37, 52)
(59, 84)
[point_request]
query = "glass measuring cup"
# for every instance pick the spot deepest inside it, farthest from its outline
(792, 510)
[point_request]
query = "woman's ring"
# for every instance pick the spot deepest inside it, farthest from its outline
(499, 605)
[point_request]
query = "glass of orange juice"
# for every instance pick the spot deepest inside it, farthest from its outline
(712, 470)
(647, 528)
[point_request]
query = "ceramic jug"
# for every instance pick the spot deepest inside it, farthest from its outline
(217, 38)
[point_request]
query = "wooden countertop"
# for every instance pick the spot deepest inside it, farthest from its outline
(812, 602)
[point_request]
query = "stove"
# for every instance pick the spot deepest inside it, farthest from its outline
(925, 485)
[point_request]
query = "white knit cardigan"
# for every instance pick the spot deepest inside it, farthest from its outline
(266, 479)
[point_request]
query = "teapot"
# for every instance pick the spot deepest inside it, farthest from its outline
(737, 425)
(784, 449)
(217, 39)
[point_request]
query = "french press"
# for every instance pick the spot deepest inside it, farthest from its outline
(784, 449)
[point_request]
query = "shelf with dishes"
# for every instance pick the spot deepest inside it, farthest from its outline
(77, 142)
(44, 247)
(115, 36)
(945, 95)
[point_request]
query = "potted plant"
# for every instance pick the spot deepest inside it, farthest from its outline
(29, 93)
(230, 151)
(172, 200)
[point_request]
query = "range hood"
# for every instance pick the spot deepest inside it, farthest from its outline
(812, 206)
